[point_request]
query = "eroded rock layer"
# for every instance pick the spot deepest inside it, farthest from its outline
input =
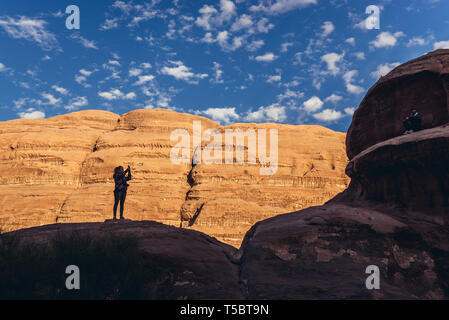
(60, 170)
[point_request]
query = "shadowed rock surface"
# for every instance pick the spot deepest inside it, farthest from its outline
(323, 252)
(203, 267)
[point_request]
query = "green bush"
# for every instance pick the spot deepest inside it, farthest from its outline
(111, 267)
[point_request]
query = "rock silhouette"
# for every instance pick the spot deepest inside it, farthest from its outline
(60, 170)
(203, 268)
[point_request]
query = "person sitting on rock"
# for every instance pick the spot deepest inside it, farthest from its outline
(121, 186)
(413, 122)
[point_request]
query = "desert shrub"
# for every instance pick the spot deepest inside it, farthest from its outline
(111, 267)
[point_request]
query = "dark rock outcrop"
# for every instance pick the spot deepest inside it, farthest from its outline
(393, 215)
(409, 171)
(323, 253)
(422, 83)
(203, 265)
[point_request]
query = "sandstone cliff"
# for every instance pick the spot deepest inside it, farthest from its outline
(60, 170)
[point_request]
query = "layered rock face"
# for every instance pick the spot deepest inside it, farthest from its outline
(60, 170)
(394, 215)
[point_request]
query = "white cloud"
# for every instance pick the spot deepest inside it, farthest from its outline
(227, 11)
(115, 94)
(349, 76)
(362, 24)
(360, 55)
(441, 45)
(282, 6)
(313, 104)
(386, 39)
(110, 24)
(108, 95)
(130, 96)
(90, 44)
(114, 63)
(180, 72)
(31, 114)
(210, 17)
(85, 72)
(208, 38)
(298, 58)
(2, 67)
(204, 20)
(290, 97)
(351, 41)
(349, 111)
(222, 39)
(51, 100)
(134, 72)
(243, 22)
(328, 115)
(274, 78)
(255, 45)
(355, 89)
(60, 90)
(218, 73)
(125, 7)
(272, 113)
(31, 30)
(80, 79)
(331, 60)
(416, 41)
(222, 115)
(144, 79)
(383, 69)
(350, 87)
(77, 103)
(285, 45)
(333, 98)
(264, 26)
(328, 27)
(267, 57)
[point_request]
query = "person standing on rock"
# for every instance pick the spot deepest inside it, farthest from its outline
(120, 178)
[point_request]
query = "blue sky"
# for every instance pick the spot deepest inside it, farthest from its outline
(284, 61)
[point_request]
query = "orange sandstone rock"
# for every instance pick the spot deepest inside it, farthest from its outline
(60, 170)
